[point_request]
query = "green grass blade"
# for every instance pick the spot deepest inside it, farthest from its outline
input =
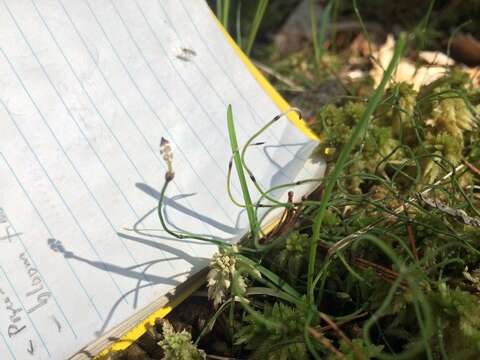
(225, 13)
(343, 158)
(420, 30)
(364, 29)
(313, 23)
(324, 21)
(252, 34)
(320, 37)
(238, 25)
(254, 228)
(219, 9)
(271, 276)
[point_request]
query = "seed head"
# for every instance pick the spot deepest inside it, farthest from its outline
(167, 153)
(223, 271)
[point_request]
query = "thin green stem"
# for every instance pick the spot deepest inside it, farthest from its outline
(364, 29)
(254, 228)
(357, 132)
(225, 13)
(252, 34)
(318, 38)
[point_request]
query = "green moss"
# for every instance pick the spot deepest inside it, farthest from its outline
(433, 129)
(178, 345)
(271, 343)
(368, 351)
(290, 259)
(460, 321)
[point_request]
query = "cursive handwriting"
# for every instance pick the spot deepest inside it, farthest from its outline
(6, 231)
(38, 290)
(16, 323)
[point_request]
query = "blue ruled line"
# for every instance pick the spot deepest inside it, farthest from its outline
(48, 228)
(58, 192)
(205, 78)
(8, 347)
(42, 277)
(179, 148)
(127, 156)
(222, 168)
(154, 152)
(63, 149)
(41, 165)
(102, 163)
(256, 118)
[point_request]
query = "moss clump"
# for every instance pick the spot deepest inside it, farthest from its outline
(291, 258)
(459, 324)
(275, 343)
(430, 131)
(178, 345)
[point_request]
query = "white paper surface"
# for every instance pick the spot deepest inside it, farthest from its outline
(87, 90)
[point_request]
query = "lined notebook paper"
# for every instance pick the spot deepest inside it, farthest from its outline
(87, 90)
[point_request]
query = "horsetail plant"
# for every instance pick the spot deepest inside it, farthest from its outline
(412, 228)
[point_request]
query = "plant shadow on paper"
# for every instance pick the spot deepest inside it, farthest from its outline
(286, 173)
(158, 239)
(140, 272)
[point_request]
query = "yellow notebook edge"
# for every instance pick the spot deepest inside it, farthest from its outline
(138, 330)
(266, 86)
